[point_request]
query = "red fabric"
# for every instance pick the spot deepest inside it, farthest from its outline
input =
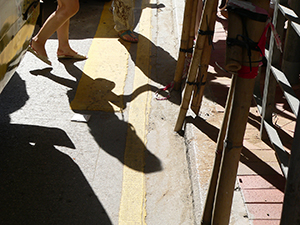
(247, 72)
(250, 73)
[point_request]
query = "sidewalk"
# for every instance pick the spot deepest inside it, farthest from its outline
(259, 190)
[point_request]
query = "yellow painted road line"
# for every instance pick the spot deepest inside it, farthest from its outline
(132, 206)
(101, 86)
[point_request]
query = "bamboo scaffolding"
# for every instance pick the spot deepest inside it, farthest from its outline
(241, 102)
(185, 41)
(193, 25)
(232, 148)
(209, 203)
(202, 73)
(210, 8)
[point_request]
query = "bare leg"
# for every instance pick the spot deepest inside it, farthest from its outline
(63, 40)
(65, 10)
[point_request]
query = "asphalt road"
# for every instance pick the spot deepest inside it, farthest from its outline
(86, 142)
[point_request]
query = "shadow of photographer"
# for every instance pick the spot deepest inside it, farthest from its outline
(98, 99)
(39, 183)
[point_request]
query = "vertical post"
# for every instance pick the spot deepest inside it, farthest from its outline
(243, 94)
(189, 4)
(202, 73)
(209, 9)
(233, 53)
(209, 203)
(232, 149)
(268, 102)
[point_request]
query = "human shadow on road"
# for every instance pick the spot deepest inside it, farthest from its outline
(109, 131)
(114, 135)
(162, 64)
(40, 184)
(100, 89)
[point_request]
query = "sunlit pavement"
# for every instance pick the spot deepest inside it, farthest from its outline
(86, 142)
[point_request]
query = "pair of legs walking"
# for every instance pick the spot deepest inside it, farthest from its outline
(58, 21)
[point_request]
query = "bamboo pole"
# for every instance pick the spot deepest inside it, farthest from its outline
(193, 25)
(202, 73)
(232, 148)
(184, 44)
(209, 9)
(209, 203)
(243, 94)
(188, 55)
(233, 53)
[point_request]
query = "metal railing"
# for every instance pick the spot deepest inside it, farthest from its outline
(277, 75)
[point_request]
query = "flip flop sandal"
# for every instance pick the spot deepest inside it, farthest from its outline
(77, 56)
(130, 33)
(43, 58)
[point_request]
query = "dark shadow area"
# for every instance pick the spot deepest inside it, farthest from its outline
(217, 59)
(218, 91)
(286, 139)
(262, 169)
(112, 135)
(162, 64)
(107, 96)
(107, 129)
(139, 6)
(39, 183)
(247, 157)
(209, 130)
(279, 96)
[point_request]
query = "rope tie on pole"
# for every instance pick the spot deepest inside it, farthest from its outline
(201, 83)
(209, 33)
(190, 50)
(248, 10)
(230, 145)
(248, 44)
(198, 84)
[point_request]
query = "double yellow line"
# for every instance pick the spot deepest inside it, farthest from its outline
(102, 87)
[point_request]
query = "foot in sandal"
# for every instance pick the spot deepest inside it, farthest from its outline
(33, 48)
(128, 35)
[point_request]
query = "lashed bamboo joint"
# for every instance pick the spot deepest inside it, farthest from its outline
(238, 40)
(206, 26)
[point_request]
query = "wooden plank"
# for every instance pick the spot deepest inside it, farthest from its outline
(287, 89)
(287, 12)
(296, 27)
(292, 16)
(283, 156)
